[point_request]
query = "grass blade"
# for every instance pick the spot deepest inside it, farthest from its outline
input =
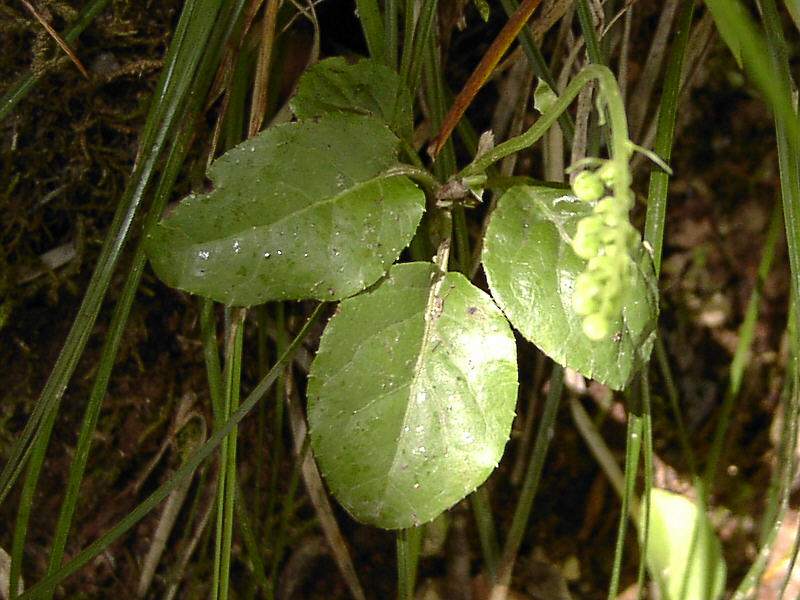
(530, 485)
(227, 474)
(372, 24)
(162, 119)
(122, 308)
(667, 114)
(589, 34)
(188, 467)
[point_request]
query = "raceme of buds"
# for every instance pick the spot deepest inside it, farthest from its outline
(605, 239)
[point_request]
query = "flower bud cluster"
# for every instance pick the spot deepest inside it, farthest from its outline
(605, 238)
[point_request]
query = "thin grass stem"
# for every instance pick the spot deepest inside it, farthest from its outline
(111, 346)
(233, 370)
(584, 12)
(594, 441)
(539, 66)
(369, 14)
(740, 356)
(191, 463)
(629, 507)
(674, 402)
(160, 121)
(487, 530)
(665, 133)
(647, 440)
(391, 25)
(278, 418)
(530, 485)
(255, 557)
(408, 544)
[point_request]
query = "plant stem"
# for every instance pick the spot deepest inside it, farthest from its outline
(609, 93)
(629, 506)
(592, 438)
(227, 486)
(390, 32)
(487, 532)
(408, 542)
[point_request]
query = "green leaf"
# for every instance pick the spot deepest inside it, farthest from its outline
(367, 86)
(683, 553)
(725, 15)
(303, 210)
(411, 396)
(543, 97)
(531, 268)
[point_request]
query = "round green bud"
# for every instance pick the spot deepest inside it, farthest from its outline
(607, 205)
(602, 266)
(585, 296)
(588, 237)
(613, 173)
(615, 250)
(613, 221)
(627, 200)
(596, 327)
(586, 242)
(588, 186)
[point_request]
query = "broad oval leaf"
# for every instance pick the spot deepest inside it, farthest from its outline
(366, 86)
(531, 269)
(683, 552)
(411, 396)
(303, 210)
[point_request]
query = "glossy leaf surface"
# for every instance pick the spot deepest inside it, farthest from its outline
(303, 210)
(531, 268)
(366, 86)
(411, 396)
(683, 552)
